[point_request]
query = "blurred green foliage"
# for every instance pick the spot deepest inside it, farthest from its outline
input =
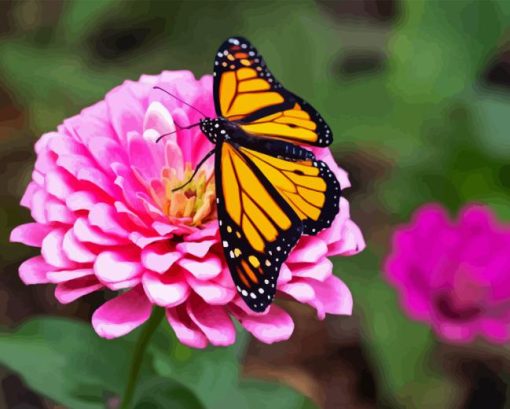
(431, 125)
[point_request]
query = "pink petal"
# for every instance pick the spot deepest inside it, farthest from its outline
(115, 266)
(214, 322)
(210, 230)
(52, 249)
(143, 241)
(310, 249)
(62, 144)
(67, 275)
(203, 270)
(333, 297)
(105, 152)
(211, 292)
(159, 257)
(38, 209)
(318, 271)
(495, 330)
(157, 122)
(56, 211)
(274, 326)
(301, 291)
(83, 200)
(285, 275)
(165, 292)
(352, 241)
(126, 111)
(31, 234)
(164, 229)
(98, 178)
(185, 330)
(59, 183)
(122, 314)
(26, 200)
(106, 219)
(75, 250)
(90, 234)
(143, 158)
(334, 232)
(173, 157)
(129, 186)
(131, 217)
(197, 249)
(34, 271)
(455, 332)
(70, 291)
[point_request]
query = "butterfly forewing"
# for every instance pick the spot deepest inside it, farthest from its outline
(258, 227)
(246, 91)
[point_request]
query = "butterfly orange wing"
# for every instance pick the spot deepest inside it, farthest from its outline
(246, 92)
(258, 227)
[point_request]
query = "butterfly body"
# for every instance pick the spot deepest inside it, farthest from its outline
(220, 129)
(270, 189)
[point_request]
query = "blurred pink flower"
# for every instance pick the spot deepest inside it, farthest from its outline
(454, 275)
(106, 218)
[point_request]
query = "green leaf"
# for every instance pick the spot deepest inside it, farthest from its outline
(258, 394)
(210, 373)
(67, 362)
(158, 392)
(213, 375)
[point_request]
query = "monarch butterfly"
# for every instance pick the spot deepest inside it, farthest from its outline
(269, 189)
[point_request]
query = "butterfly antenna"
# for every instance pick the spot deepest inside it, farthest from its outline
(204, 159)
(180, 100)
(180, 128)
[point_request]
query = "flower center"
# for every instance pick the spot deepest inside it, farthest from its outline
(464, 300)
(451, 310)
(192, 205)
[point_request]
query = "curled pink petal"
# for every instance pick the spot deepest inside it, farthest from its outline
(274, 326)
(203, 270)
(166, 292)
(214, 322)
(185, 329)
(70, 291)
(198, 249)
(61, 276)
(212, 292)
(52, 249)
(159, 257)
(115, 266)
(31, 234)
(75, 250)
(331, 297)
(122, 314)
(34, 271)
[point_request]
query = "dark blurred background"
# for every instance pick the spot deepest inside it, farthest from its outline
(417, 94)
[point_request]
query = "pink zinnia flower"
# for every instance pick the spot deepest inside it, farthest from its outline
(106, 218)
(454, 275)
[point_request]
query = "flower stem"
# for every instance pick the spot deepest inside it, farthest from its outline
(138, 353)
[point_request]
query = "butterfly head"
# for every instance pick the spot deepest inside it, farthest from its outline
(215, 128)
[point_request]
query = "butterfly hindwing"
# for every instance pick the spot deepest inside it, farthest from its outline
(258, 227)
(245, 91)
(308, 186)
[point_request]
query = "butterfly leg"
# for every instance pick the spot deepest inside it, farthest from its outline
(202, 161)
